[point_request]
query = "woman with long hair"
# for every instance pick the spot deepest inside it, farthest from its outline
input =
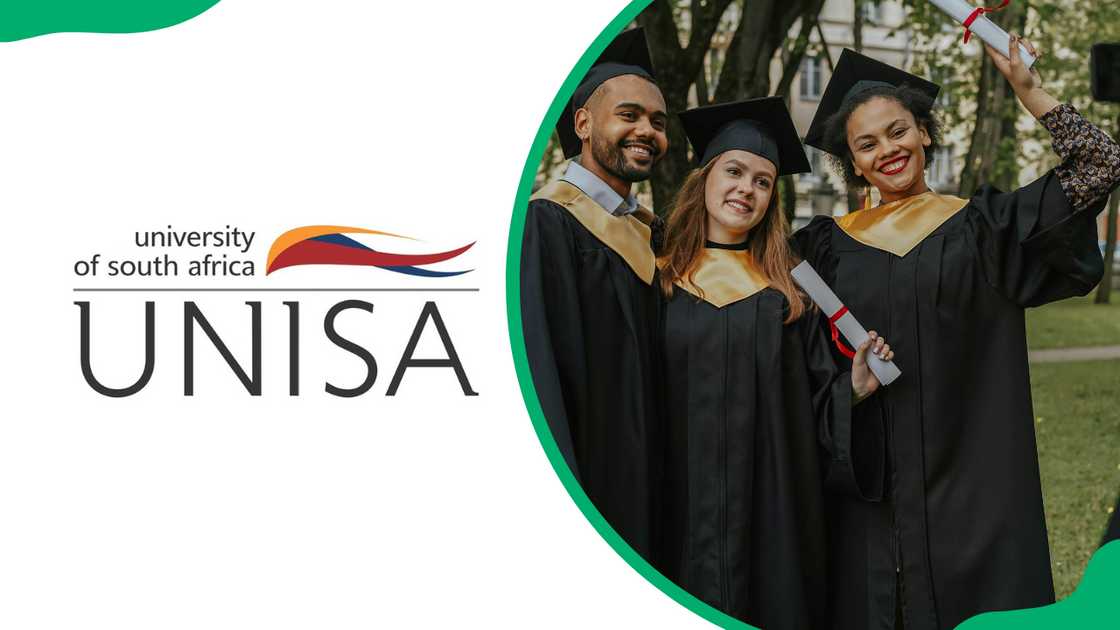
(752, 388)
(961, 529)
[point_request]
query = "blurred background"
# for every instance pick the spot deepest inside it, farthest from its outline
(713, 51)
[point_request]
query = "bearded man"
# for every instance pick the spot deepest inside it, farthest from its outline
(589, 303)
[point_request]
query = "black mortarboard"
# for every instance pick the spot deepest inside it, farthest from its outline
(761, 126)
(627, 54)
(856, 73)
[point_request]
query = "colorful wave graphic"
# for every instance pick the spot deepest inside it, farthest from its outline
(328, 245)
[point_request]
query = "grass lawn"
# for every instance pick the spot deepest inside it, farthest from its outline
(1077, 409)
(1074, 322)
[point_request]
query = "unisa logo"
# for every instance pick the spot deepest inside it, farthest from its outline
(328, 245)
(316, 245)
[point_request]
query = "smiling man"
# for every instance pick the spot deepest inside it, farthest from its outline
(588, 299)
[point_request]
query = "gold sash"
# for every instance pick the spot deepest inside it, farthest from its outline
(627, 235)
(897, 227)
(724, 276)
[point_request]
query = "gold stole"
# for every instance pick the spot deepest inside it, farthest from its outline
(897, 227)
(723, 276)
(628, 236)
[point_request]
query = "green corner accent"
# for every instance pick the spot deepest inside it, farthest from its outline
(517, 339)
(20, 19)
(1092, 605)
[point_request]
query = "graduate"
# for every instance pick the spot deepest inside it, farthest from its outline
(589, 305)
(961, 530)
(752, 387)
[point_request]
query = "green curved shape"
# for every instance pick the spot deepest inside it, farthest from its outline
(517, 339)
(20, 19)
(1087, 607)
(1093, 605)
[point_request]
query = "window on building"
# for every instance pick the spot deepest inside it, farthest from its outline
(817, 163)
(811, 78)
(870, 12)
(941, 166)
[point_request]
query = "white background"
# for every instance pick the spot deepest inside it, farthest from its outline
(226, 511)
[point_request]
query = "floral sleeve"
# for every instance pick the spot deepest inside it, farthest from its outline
(1090, 166)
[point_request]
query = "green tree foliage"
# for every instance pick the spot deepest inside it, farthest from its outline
(1004, 145)
(1064, 30)
(714, 51)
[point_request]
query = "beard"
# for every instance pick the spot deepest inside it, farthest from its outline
(612, 157)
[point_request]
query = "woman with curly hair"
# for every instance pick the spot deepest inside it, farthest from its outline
(961, 528)
(752, 388)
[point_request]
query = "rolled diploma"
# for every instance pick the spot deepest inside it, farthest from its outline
(983, 28)
(811, 282)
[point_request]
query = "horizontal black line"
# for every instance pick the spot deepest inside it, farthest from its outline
(270, 290)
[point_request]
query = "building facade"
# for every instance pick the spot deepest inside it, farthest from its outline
(883, 37)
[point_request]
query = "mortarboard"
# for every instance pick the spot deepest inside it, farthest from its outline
(761, 126)
(627, 54)
(856, 73)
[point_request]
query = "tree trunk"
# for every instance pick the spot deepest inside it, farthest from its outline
(824, 47)
(703, 95)
(857, 25)
(796, 53)
(702, 99)
(1104, 291)
(992, 151)
(855, 194)
(787, 187)
(762, 30)
(676, 69)
(787, 196)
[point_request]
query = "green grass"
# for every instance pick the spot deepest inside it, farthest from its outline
(1077, 413)
(1074, 322)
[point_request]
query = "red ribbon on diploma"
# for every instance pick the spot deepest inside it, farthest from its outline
(836, 332)
(977, 12)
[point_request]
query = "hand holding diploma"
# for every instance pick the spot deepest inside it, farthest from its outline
(974, 21)
(1025, 81)
(864, 381)
(843, 322)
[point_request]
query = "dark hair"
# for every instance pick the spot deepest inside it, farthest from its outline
(836, 127)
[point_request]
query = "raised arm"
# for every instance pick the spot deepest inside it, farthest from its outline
(1090, 166)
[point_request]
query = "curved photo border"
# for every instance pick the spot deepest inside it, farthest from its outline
(517, 338)
(1085, 604)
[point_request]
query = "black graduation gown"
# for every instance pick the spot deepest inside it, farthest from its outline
(751, 401)
(963, 519)
(589, 322)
